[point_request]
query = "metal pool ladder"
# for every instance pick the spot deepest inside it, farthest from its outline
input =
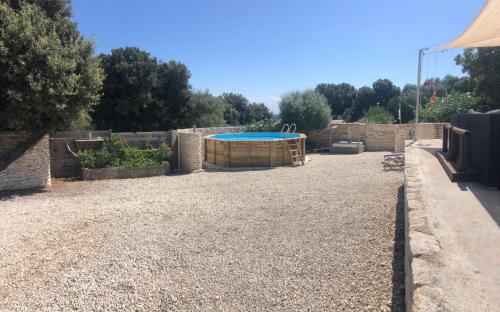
(289, 128)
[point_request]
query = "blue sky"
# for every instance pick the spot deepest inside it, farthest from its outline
(263, 48)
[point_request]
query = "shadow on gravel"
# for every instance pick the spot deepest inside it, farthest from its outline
(6, 195)
(398, 276)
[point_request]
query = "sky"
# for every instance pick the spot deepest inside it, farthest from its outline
(265, 48)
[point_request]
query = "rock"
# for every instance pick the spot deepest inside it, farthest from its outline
(427, 299)
(422, 244)
(421, 272)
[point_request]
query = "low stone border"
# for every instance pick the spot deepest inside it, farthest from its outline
(124, 172)
(422, 247)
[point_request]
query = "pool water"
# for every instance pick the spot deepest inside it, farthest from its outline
(255, 136)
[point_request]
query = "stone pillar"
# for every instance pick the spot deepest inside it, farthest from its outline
(190, 151)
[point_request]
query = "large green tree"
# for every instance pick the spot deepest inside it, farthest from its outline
(384, 91)
(128, 91)
(206, 110)
(236, 108)
(365, 98)
(172, 95)
(308, 109)
(339, 96)
(407, 106)
(483, 66)
(48, 74)
(257, 112)
(141, 94)
(240, 111)
(54, 9)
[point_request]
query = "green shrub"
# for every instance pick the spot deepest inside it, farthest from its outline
(267, 125)
(87, 159)
(378, 115)
(442, 110)
(308, 109)
(115, 153)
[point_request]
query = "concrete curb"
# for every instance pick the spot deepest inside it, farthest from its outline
(422, 247)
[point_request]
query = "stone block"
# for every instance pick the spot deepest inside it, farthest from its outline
(422, 244)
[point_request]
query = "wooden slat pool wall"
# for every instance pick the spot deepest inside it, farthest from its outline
(249, 153)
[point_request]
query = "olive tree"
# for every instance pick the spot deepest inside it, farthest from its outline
(308, 109)
(48, 74)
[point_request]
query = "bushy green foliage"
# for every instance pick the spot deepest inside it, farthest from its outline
(48, 73)
(116, 153)
(365, 99)
(140, 93)
(483, 66)
(308, 109)
(444, 108)
(171, 96)
(407, 108)
(340, 97)
(206, 110)
(384, 91)
(378, 115)
(256, 112)
(268, 125)
(239, 111)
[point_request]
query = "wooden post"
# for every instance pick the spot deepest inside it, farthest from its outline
(215, 152)
(445, 138)
(270, 153)
(463, 160)
(303, 150)
(228, 161)
(451, 147)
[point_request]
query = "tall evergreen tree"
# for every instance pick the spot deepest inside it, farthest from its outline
(48, 74)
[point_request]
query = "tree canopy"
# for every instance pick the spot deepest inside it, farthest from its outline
(240, 111)
(384, 91)
(48, 73)
(206, 110)
(308, 109)
(339, 96)
(128, 91)
(141, 94)
(378, 115)
(483, 66)
(54, 9)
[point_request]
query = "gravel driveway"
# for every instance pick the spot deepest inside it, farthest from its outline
(313, 238)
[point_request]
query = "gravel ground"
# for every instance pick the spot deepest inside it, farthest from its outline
(324, 237)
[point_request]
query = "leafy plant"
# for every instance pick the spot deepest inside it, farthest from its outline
(308, 109)
(115, 153)
(268, 125)
(87, 159)
(442, 110)
(48, 72)
(378, 115)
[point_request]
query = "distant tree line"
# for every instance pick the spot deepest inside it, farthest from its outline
(351, 104)
(50, 79)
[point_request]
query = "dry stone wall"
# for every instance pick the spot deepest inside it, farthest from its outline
(30, 170)
(383, 137)
(421, 246)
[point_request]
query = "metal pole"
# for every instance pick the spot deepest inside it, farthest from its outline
(419, 78)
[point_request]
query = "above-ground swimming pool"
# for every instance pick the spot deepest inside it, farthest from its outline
(255, 149)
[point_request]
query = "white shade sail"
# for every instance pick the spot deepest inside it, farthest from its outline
(484, 31)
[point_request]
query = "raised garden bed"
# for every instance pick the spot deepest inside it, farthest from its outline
(124, 172)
